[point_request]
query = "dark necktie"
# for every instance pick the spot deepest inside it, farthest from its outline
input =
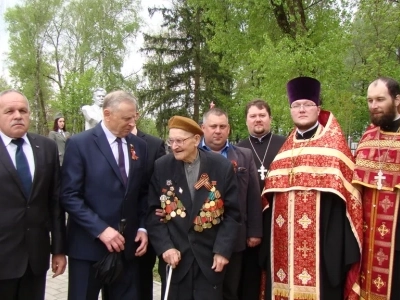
(121, 161)
(22, 165)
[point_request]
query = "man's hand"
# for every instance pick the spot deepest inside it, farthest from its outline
(141, 237)
(113, 240)
(160, 213)
(58, 264)
(253, 241)
(219, 263)
(172, 257)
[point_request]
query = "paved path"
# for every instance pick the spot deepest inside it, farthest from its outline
(57, 288)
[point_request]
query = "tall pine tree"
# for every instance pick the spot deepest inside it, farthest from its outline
(183, 75)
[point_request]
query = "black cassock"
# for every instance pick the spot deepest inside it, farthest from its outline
(251, 273)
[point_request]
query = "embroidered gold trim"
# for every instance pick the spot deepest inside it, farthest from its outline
(379, 143)
(375, 165)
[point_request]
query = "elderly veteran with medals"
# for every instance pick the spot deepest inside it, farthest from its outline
(377, 171)
(197, 192)
(316, 228)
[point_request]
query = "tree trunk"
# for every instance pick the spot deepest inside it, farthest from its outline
(197, 66)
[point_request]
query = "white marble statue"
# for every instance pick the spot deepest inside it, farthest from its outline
(94, 113)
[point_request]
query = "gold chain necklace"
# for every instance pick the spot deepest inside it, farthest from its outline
(380, 176)
(293, 160)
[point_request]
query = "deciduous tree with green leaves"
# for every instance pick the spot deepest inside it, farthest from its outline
(55, 45)
(267, 43)
(4, 85)
(29, 62)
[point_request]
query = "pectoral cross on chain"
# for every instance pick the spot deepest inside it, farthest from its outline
(262, 172)
(291, 175)
(379, 179)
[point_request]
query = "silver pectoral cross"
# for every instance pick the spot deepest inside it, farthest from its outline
(379, 179)
(262, 172)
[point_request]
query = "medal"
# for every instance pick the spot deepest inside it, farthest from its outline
(170, 204)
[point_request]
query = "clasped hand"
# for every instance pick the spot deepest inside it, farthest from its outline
(113, 240)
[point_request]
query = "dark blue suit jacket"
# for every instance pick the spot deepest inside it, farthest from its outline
(93, 193)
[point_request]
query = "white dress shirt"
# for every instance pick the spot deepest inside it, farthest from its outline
(114, 146)
(26, 147)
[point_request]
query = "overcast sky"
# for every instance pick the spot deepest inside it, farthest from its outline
(132, 64)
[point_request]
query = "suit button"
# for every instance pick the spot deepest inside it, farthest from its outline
(28, 207)
(27, 229)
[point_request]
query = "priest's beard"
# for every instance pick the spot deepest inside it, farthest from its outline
(386, 118)
(260, 131)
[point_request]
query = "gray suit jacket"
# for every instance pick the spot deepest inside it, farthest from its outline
(60, 141)
(249, 195)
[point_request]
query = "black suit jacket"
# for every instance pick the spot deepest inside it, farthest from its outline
(249, 195)
(93, 193)
(155, 149)
(179, 232)
(25, 221)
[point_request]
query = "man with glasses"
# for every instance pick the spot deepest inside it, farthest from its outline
(197, 192)
(316, 228)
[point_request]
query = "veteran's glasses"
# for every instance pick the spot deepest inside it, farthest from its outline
(304, 106)
(178, 142)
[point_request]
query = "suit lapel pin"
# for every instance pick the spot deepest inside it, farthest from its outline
(180, 190)
(133, 152)
(36, 146)
(235, 165)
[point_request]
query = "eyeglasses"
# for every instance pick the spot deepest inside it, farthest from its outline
(304, 106)
(178, 142)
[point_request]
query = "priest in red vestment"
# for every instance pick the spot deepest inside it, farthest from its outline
(378, 172)
(316, 226)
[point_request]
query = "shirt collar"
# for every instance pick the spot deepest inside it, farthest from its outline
(223, 151)
(260, 139)
(7, 140)
(195, 162)
(302, 133)
(110, 137)
(392, 127)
